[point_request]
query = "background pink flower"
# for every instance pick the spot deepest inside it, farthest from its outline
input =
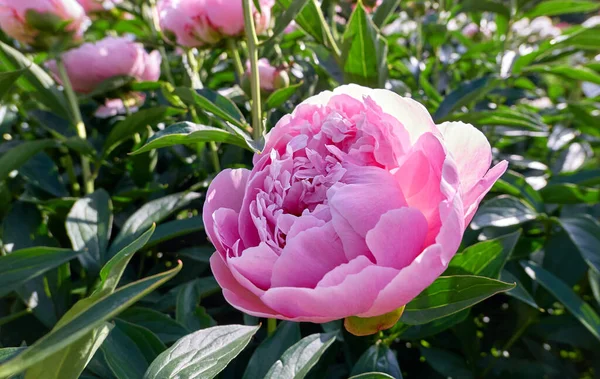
(195, 23)
(92, 63)
(357, 204)
(13, 17)
(271, 78)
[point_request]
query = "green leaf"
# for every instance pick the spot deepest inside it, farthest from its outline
(514, 184)
(188, 133)
(279, 97)
(7, 79)
(418, 332)
(176, 228)
(308, 18)
(18, 155)
(451, 294)
(594, 279)
(570, 194)
(446, 363)
(297, 360)
(42, 172)
(503, 211)
(165, 328)
(584, 231)
(111, 85)
(567, 72)
(519, 292)
(122, 353)
(267, 353)
(485, 258)
(70, 362)
(289, 14)
(384, 11)
(188, 297)
(211, 101)
(137, 123)
(364, 51)
(111, 273)
(203, 354)
(152, 212)
(34, 80)
(372, 375)
(558, 7)
(87, 319)
(378, 358)
(88, 226)
(21, 266)
(580, 309)
(485, 6)
(465, 94)
(146, 341)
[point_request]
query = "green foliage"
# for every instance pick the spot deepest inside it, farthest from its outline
(116, 282)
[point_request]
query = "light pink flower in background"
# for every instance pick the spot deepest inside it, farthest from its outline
(14, 23)
(98, 5)
(196, 23)
(470, 30)
(92, 63)
(356, 205)
(271, 78)
(114, 107)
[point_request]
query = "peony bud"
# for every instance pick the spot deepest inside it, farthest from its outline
(271, 78)
(194, 23)
(40, 22)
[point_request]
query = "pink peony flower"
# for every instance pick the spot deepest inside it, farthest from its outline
(92, 63)
(271, 78)
(13, 17)
(356, 205)
(196, 23)
(98, 5)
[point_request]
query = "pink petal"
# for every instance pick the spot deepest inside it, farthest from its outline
(478, 192)
(256, 264)
(307, 257)
(338, 274)
(398, 238)
(236, 295)
(225, 191)
(354, 295)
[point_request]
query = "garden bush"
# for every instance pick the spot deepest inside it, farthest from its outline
(299, 189)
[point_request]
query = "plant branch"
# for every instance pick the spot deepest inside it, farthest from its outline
(252, 41)
(237, 60)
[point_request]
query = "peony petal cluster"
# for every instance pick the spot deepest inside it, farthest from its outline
(197, 23)
(14, 17)
(92, 63)
(356, 205)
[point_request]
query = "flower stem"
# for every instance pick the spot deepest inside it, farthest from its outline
(88, 181)
(329, 36)
(193, 69)
(237, 60)
(158, 35)
(271, 326)
(252, 40)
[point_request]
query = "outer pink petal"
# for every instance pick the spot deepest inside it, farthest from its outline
(398, 238)
(354, 295)
(236, 295)
(478, 192)
(470, 149)
(225, 191)
(256, 264)
(307, 257)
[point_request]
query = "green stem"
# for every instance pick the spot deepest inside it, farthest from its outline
(166, 68)
(14, 316)
(237, 60)
(68, 164)
(214, 150)
(252, 40)
(271, 326)
(88, 181)
(328, 36)
(194, 69)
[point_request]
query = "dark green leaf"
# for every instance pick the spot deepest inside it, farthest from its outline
(485, 258)
(18, 155)
(210, 101)
(558, 7)
(297, 361)
(123, 355)
(503, 211)
(513, 183)
(308, 19)
(167, 329)
(485, 6)
(364, 51)
(188, 298)
(570, 194)
(584, 231)
(384, 11)
(372, 375)
(580, 309)
(267, 353)
(451, 294)
(466, 94)
(446, 363)
(88, 225)
(378, 358)
(176, 228)
(189, 133)
(203, 354)
(42, 172)
(7, 79)
(567, 72)
(519, 292)
(290, 14)
(87, 319)
(21, 266)
(137, 123)
(418, 332)
(279, 97)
